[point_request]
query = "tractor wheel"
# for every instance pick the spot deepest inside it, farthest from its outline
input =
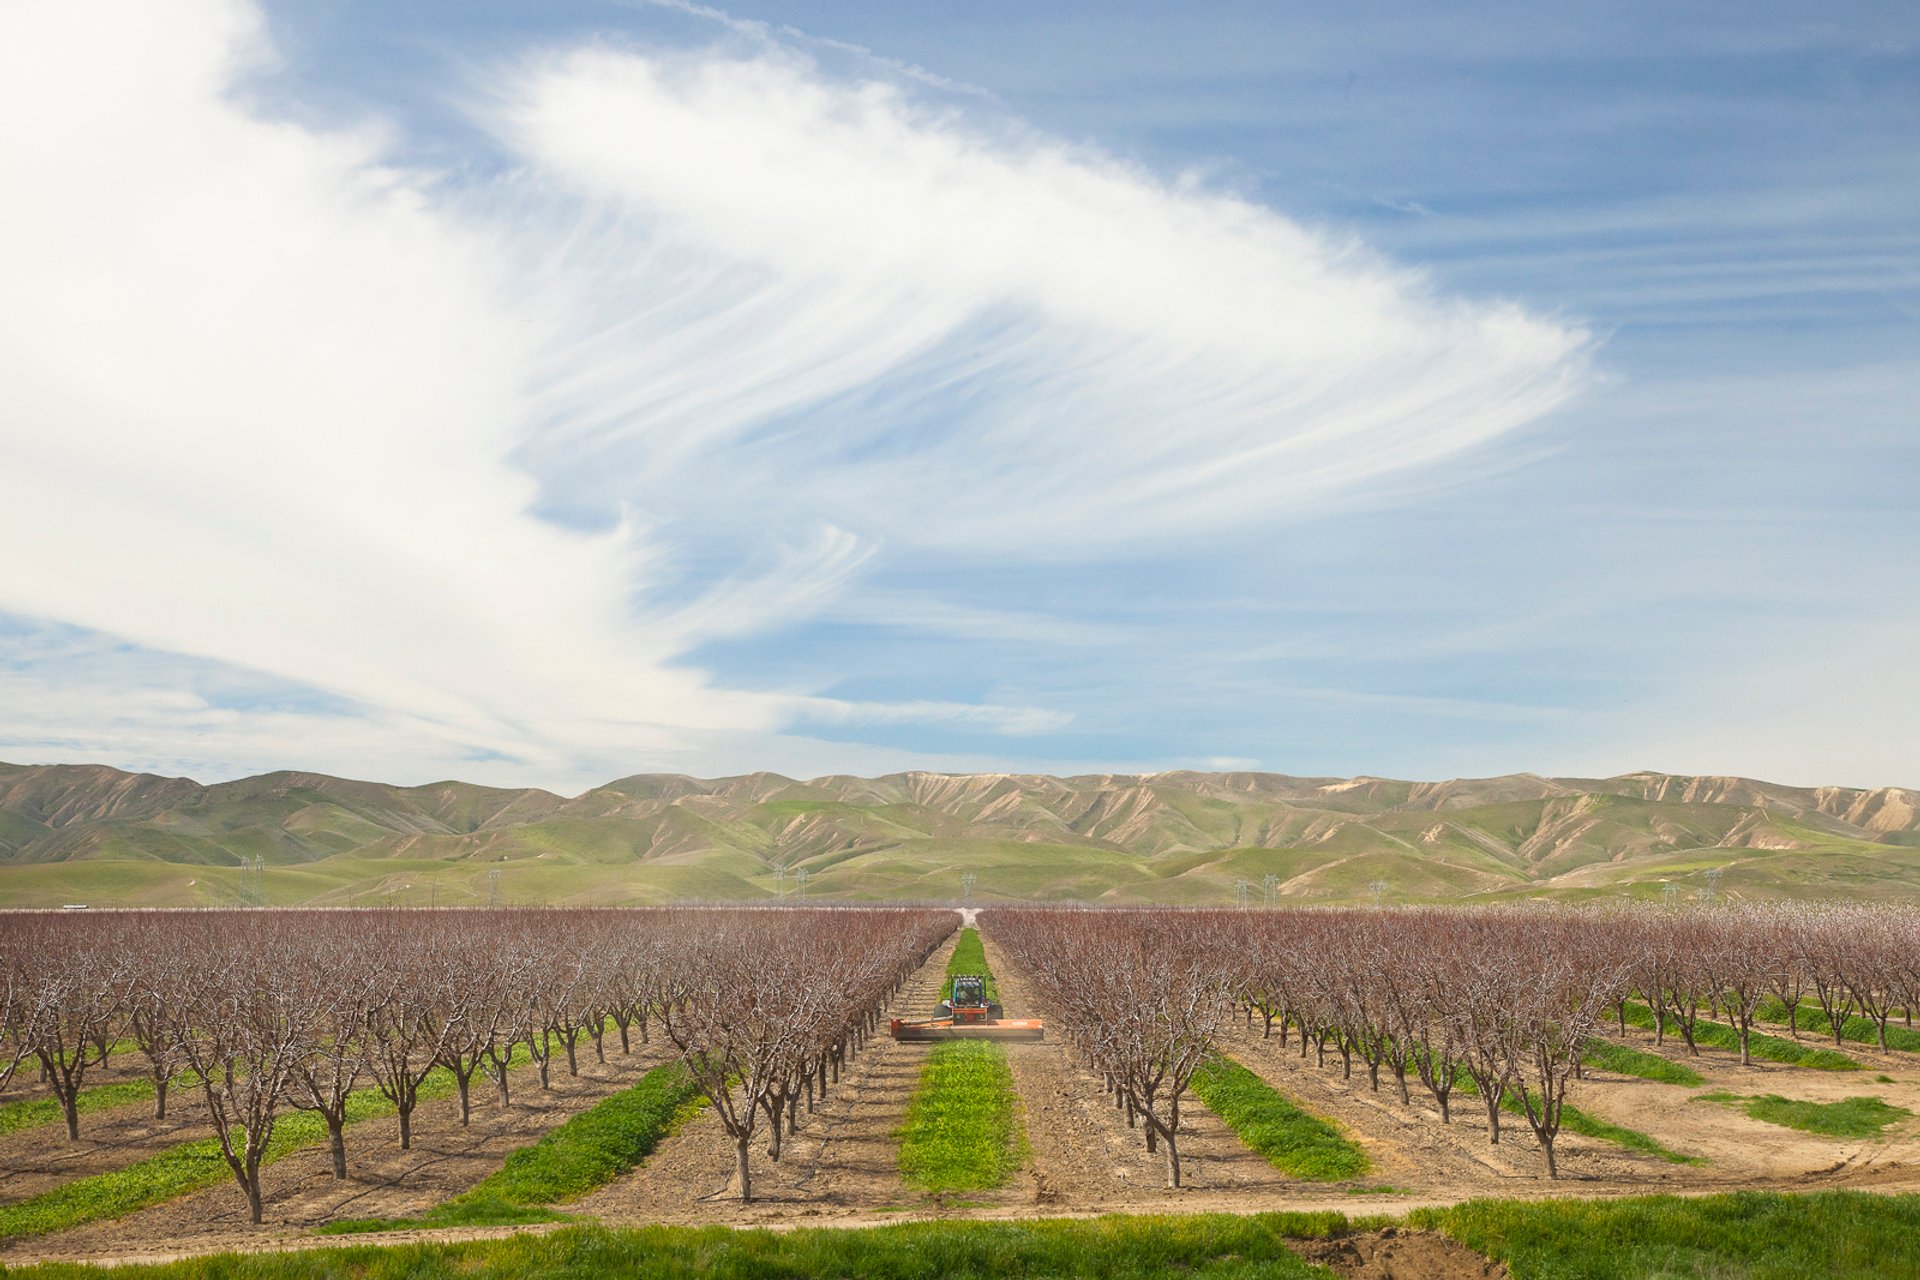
(994, 1011)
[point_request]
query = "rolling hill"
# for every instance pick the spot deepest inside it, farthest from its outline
(88, 833)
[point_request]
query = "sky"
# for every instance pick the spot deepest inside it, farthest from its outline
(538, 395)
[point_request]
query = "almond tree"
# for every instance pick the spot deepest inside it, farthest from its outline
(324, 1078)
(405, 1028)
(246, 1027)
(74, 999)
(1561, 989)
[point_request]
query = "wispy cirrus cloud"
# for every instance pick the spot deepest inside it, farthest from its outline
(442, 451)
(969, 335)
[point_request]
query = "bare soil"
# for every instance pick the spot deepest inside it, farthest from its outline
(1395, 1254)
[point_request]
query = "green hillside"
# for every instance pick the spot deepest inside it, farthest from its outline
(72, 833)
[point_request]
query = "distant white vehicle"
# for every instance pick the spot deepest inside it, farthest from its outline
(73, 906)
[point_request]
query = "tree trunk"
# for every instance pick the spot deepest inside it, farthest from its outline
(406, 1127)
(337, 1140)
(740, 1164)
(160, 1084)
(70, 1108)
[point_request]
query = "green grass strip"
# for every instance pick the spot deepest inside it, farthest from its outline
(1849, 1118)
(1749, 1235)
(969, 956)
(1768, 1048)
(962, 1131)
(1621, 1059)
(1292, 1141)
(1588, 1125)
(1855, 1028)
(1144, 1247)
(31, 1113)
(580, 1155)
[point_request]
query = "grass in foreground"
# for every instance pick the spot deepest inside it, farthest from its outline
(1843, 1235)
(1835, 1235)
(1849, 1118)
(1625, 1060)
(1267, 1121)
(1210, 1247)
(1717, 1035)
(962, 1131)
(969, 956)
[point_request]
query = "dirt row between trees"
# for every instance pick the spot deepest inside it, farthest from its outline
(1410, 1147)
(382, 1180)
(843, 1159)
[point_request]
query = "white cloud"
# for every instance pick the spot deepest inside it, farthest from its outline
(973, 336)
(271, 402)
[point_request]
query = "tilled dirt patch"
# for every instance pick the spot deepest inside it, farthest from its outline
(1397, 1254)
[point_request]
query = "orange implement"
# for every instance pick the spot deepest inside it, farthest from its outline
(949, 1029)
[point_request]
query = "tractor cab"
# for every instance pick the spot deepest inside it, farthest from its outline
(969, 1001)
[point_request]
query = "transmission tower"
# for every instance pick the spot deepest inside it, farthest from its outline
(1713, 882)
(259, 891)
(1241, 890)
(966, 886)
(493, 887)
(1269, 890)
(1379, 890)
(800, 881)
(779, 882)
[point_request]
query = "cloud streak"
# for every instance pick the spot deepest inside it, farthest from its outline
(461, 456)
(976, 337)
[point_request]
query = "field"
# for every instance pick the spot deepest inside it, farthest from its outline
(1294, 1156)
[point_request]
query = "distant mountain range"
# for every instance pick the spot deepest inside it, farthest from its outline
(87, 833)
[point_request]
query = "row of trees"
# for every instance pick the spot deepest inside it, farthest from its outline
(1507, 998)
(1141, 995)
(271, 1011)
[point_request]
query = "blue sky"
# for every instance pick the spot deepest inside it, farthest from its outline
(544, 394)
